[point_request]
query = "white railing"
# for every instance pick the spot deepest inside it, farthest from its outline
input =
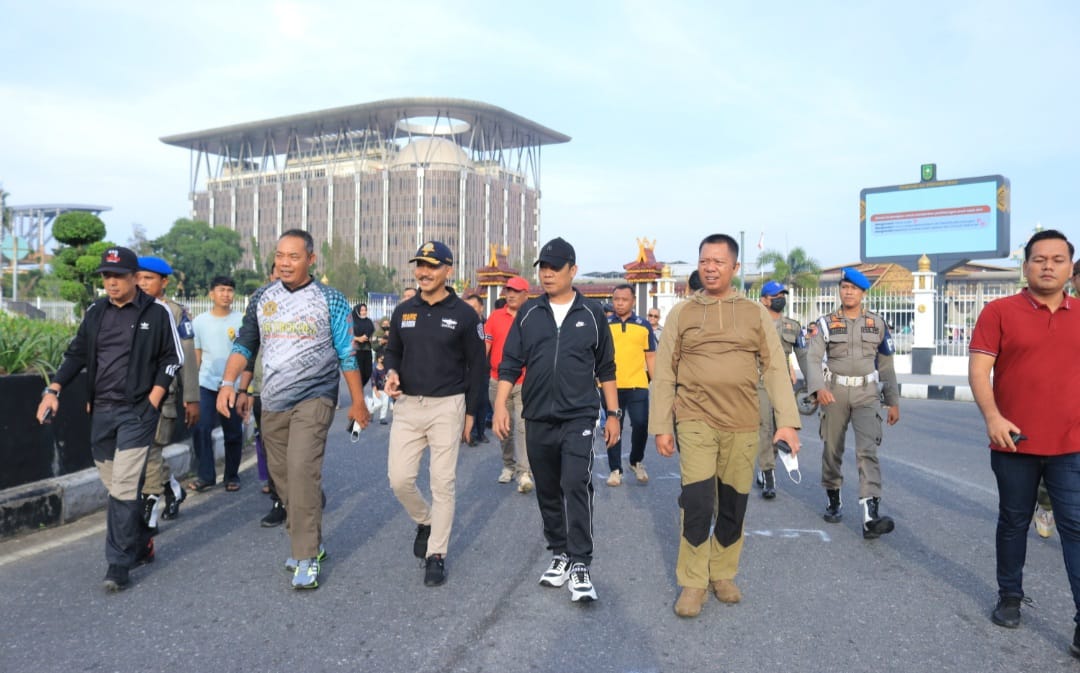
(196, 305)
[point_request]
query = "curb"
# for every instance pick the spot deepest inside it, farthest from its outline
(60, 500)
(923, 391)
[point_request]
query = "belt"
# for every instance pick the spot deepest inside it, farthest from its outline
(852, 381)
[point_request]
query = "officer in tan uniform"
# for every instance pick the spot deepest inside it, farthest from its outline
(774, 297)
(153, 278)
(858, 350)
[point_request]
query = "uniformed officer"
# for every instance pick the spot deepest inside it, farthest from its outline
(774, 297)
(858, 350)
(153, 278)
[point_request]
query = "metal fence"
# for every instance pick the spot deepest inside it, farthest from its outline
(378, 307)
(955, 312)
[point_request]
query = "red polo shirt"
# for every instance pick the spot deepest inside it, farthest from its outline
(1037, 369)
(495, 330)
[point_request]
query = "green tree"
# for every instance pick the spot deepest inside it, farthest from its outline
(375, 278)
(354, 278)
(197, 252)
(75, 261)
(795, 269)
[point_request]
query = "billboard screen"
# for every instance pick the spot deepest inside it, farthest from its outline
(959, 218)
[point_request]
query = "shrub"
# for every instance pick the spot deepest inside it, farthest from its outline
(32, 346)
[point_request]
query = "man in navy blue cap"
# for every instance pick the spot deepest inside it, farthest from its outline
(153, 278)
(858, 350)
(774, 297)
(436, 371)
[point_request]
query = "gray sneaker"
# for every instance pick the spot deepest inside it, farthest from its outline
(306, 575)
(557, 573)
(291, 564)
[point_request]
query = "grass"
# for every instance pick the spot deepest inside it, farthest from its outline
(32, 346)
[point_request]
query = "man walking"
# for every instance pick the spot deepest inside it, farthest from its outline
(774, 298)
(128, 344)
(435, 372)
(561, 343)
(215, 331)
(1018, 340)
(153, 278)
(858, 351)
(716, 346)
(635, 356)
(515, 456)
(303, 332)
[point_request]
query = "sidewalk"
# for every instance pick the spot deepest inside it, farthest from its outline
(934, 387)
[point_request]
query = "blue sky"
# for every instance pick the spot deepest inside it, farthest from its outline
(687, 118)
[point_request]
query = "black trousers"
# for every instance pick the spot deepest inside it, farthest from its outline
(560, 455)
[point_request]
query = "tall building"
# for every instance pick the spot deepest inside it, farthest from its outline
(379, 177)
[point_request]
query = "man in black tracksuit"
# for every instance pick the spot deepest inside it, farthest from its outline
(564, 344)
(128, 344)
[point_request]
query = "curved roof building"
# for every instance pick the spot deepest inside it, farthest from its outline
(379, 178)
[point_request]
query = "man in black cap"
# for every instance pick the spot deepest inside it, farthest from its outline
(128, 344)
(436, 371)
(564, 345)
(858, 350)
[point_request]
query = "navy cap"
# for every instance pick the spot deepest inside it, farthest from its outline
(855, 277)
(557, 252)
(773, 288)
(118, 260)
(434, 252)
(155, 265)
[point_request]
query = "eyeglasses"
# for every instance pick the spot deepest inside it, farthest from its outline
(654, 315)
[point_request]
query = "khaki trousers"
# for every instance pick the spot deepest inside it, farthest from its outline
(861, 407)
(295, 443)
(717, 469)
(422, 422)
(514, 452)
(155, 460)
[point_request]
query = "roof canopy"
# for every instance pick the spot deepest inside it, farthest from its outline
(462, 121)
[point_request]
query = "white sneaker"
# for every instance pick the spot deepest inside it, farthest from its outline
(1044, 522)
(506, 476)
(525, 483)
(639, 473)
(615, 478)
(557, 573)
(581, 586)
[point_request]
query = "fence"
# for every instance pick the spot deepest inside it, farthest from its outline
(955, 312)
(378, 307)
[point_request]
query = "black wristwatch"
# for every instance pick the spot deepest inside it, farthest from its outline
(617, 413)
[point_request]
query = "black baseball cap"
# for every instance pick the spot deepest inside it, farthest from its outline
(557, 252)
(434, 252)
(118, 260)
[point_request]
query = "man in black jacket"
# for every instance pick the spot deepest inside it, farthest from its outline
(128, 344)
(563, 342)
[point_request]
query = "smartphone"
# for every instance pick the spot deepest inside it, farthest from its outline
(47, 416)
(1016, 437)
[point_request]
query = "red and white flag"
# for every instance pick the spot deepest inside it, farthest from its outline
(761, 241)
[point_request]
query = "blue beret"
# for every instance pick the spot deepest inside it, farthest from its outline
(155, 265)
(855, 277)
(773, 288)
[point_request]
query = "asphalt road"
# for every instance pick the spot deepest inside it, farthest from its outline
(816, 596)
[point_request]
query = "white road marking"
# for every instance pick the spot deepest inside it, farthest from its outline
(790, 533)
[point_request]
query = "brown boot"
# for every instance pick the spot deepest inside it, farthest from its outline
(690, 602)
(726, 591)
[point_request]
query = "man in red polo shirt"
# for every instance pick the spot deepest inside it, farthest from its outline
(515, 459)
(1034, 428)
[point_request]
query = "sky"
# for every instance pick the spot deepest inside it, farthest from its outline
(760, 119)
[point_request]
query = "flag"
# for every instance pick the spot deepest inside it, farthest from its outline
(761, 242)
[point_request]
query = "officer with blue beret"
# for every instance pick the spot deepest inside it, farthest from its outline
(857, 349)
(774, 298)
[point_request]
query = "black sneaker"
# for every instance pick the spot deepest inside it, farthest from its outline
(419, 545)
(172, 502)
(1007, 612)
(435, 572)
(145, 555)
(116, 578)
(149, 503)
(833, 507)
(874, 525)
(276, 517)
(768, 489)
(1074, 648)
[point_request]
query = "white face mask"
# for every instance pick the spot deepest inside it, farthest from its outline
(790, 461)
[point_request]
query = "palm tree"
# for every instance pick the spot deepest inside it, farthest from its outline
(797, 268)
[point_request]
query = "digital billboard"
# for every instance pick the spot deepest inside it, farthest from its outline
(965, 218)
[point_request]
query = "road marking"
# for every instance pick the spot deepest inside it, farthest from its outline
(944, 476)
(790, 533)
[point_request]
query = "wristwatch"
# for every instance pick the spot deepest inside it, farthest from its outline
(50, 391)
(617, 413)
